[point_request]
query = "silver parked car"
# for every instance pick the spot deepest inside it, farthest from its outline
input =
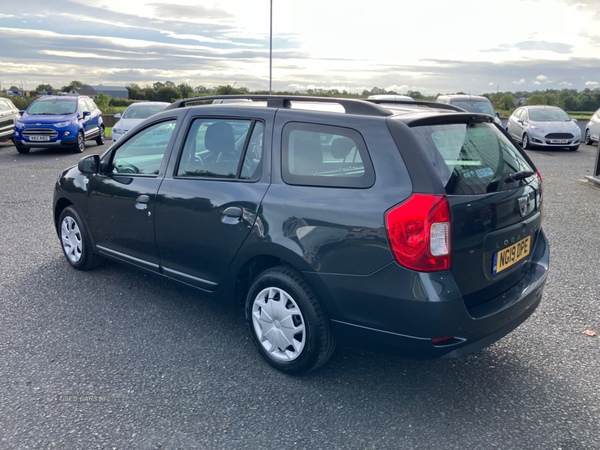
(471, 103)
(136, 113)
(592, 130)
(544, 126)
(9, 114)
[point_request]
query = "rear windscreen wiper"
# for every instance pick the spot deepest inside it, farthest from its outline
(520, 175)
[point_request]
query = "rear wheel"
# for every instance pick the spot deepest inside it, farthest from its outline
(101, 137)
(287, 323)
(75, 241)
(588, 137)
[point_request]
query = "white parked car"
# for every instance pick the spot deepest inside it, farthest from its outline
(404, 98)
(592, 130)
(136, 113)
(544, 126)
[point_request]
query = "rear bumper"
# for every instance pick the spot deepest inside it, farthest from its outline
(402, 310)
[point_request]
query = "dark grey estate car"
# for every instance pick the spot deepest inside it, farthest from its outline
(9, 114)
(413, 226)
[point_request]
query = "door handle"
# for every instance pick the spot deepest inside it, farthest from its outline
(142, 202)
(233, 211)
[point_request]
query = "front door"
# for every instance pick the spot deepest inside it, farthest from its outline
(206, 209)
(121, 201)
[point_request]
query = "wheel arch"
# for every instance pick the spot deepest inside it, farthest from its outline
(61, 204)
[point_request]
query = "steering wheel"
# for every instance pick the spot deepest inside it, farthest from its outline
(126, 168)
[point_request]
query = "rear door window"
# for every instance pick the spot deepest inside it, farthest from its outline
(321, 155)
(471, 158)
(222, 148)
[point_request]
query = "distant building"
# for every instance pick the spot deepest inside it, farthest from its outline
(83, 91)
(111, 91)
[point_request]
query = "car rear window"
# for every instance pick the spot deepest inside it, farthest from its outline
(475, 106)
(472, 158)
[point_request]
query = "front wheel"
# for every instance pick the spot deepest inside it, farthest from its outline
(80, 147)
(588, 138)
(526, 144)
(75, 241)
(21, 148)
(287, 323)
(101, 137)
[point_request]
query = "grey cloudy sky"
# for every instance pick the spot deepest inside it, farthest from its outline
(431, 45)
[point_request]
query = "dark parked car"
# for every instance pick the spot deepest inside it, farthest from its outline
(59, 122)
(414, 226)
(9, 114)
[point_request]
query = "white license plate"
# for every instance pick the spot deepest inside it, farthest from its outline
(559, 141)
(39, 138)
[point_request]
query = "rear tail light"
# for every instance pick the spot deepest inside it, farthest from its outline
(419, 231)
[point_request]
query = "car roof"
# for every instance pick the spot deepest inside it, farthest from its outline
(406, 111)
(63, 98)
(148, 104)
(542, 107)
(465, 97)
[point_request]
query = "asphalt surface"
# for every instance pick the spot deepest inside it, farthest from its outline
(181, 372)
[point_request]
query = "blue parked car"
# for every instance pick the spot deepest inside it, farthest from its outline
(59, 122)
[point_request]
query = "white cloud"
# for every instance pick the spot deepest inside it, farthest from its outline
(400, 89)
(591, 83)
(521, 81)
(491, 84)
(541, 78)
(537, 83)
(565, 83)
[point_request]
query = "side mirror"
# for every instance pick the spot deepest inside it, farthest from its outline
(118, 116)
(87, 113)
(574, 120)
(22, 112)
(89, 164)
(497, 114)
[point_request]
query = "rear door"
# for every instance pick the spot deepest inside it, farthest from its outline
(495, 218)
(208, 202)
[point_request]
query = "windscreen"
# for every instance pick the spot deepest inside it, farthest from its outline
(56, 107)
(475, 106)
(142, 112)
(548, 115)
(472, 158)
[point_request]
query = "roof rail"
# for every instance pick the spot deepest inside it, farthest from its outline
(352, 106)
(418, 103)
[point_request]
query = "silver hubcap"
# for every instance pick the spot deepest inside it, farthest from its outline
(525, 141)
(71, 239)
(81, 142)
(278, 324)
(587, 135)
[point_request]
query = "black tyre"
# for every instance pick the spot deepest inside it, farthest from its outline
(75, 241)
(525, 142)
(588, 138)
(21, 148)
(80, 147)
(101, 139)
(287, 323)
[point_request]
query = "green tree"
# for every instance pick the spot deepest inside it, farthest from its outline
(585, 102)
(135, 92)
(148, 94)
(158, 85)
(228, 90)
(72, 85)
(102, 101)
(566, 100)
(536, 100)
(167, 94)
(44, 88)
(170, 84)
(13, 88)
(506, 102)
(186, 90)
(203, 90)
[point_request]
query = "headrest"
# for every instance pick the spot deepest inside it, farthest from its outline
(341, 148)
(219, 137)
